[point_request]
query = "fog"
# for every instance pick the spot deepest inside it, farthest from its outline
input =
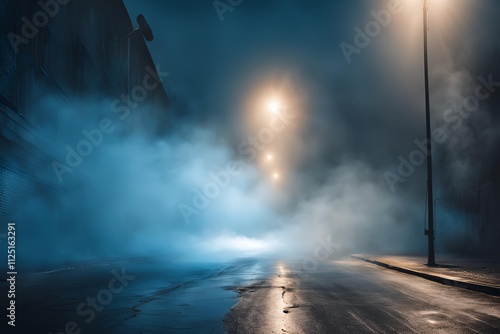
(138, 194)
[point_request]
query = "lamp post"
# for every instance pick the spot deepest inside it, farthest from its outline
(431, 260)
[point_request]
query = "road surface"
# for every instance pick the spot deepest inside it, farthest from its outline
(245, 296)
(351, 296)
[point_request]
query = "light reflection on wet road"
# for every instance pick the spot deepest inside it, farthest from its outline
(351, 296)
(345, 296)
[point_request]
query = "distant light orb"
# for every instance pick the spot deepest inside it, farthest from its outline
(274, 106)
(269, 157)
(276, 176)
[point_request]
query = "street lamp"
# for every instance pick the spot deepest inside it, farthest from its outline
(431, 260)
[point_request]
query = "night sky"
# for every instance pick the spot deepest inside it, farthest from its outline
(369, 110)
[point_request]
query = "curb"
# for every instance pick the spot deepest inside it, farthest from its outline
(487, 289)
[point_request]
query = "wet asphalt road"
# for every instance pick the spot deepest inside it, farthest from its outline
(351, 296)
(246, 296)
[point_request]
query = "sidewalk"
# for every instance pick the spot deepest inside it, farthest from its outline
(473, 274)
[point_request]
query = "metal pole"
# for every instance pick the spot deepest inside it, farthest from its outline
(430, 202)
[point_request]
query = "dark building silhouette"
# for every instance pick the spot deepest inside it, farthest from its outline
(70, 50)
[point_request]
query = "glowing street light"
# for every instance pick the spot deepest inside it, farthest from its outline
(274, 106)
(269, 157)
